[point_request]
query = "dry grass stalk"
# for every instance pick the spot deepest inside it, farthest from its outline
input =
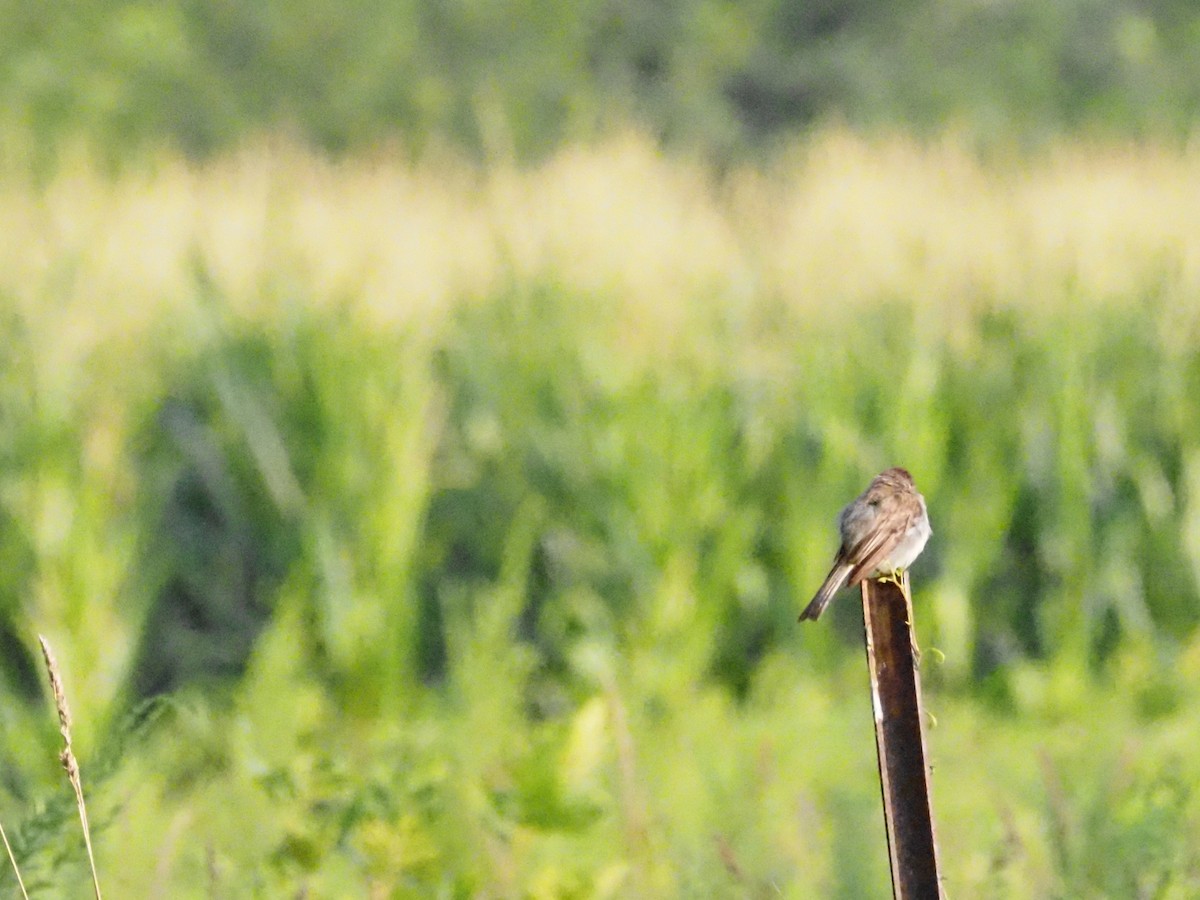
(67, 757)
(12, 859)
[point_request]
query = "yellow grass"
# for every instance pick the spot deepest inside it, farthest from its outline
(838, 220)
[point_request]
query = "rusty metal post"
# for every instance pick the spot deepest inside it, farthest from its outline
(900, 740)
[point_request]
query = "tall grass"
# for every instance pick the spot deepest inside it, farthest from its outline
(481, 502)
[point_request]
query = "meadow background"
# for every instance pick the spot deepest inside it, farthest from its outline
(419, 489)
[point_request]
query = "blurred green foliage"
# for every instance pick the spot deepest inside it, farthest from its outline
(529, 603)
(420, 532)
(541, 467)
(505, 78)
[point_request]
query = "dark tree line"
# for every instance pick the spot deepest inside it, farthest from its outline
(520, 77)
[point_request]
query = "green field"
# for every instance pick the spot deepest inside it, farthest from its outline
(436, 530)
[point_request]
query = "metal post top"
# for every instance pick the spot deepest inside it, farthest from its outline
(900, 740)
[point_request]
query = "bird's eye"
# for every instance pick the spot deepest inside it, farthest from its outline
(874, 502)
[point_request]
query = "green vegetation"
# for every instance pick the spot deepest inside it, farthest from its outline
(466, 517)
(521, 77)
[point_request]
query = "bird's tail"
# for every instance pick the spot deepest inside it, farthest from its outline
(834, 582)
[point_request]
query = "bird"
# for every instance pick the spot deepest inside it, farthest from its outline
(883, 531)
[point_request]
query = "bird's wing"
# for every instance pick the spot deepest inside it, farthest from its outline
(875, 547)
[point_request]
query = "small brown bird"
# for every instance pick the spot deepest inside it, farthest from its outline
(883, 531)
